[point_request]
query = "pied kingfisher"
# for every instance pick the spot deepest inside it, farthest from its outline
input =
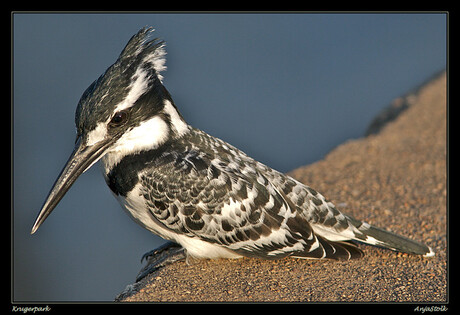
(193, 189)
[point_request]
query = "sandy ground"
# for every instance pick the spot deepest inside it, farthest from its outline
(395, 180)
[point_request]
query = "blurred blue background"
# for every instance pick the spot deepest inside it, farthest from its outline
(284, 88)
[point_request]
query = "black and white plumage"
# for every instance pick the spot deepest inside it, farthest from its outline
(194, 189)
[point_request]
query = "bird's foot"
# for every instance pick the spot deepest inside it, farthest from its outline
(161, 257)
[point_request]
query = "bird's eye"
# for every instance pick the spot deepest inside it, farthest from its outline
(119, 118)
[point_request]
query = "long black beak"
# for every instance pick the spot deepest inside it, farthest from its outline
(82, 158)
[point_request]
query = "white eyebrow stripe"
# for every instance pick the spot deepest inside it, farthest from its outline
(138, 86)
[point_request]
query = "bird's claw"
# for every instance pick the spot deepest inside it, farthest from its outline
(161, 257)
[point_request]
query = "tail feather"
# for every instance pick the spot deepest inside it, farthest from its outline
(380, 237)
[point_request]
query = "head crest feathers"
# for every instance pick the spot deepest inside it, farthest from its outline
(141, 48)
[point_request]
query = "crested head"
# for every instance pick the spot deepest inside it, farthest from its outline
(128, 102)
(136, 71)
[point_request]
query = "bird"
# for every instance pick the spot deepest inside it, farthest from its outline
(207, 198)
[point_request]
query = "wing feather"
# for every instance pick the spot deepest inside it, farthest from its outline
(216, 193)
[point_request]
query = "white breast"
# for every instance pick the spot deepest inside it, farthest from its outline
(135, 206)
